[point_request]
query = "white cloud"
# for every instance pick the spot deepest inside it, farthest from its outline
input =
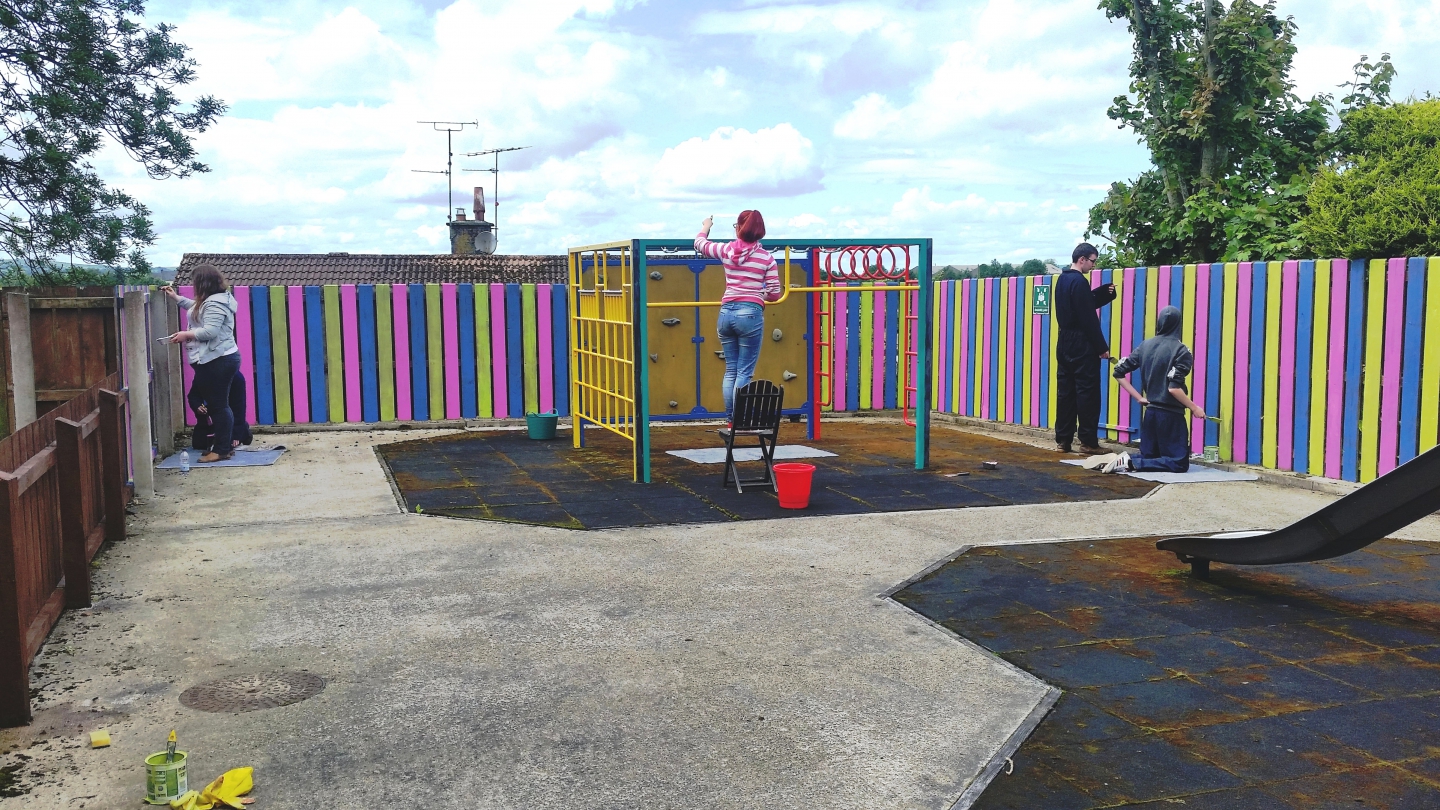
(774, 162)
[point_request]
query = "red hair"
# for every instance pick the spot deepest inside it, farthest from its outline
(751, 226)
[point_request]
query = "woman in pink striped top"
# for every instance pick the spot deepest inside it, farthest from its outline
(751, 280)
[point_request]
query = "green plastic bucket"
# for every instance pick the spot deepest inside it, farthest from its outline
(165, 780)
(542, 425)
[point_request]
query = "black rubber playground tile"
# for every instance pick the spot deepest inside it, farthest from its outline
(1296, 687)
(503, 475)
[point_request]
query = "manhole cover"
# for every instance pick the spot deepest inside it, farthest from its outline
(246, 693)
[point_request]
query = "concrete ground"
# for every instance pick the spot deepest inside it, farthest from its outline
(477, 664)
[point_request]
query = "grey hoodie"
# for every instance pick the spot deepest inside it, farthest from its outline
(214, 328)
(1164, 363)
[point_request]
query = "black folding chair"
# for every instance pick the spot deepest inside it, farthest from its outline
(757, 413)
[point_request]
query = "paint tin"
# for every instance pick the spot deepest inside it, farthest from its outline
(1211, 453)
(165, 780)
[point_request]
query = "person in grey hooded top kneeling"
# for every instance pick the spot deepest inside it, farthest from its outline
(212, 351)
(1164, 363)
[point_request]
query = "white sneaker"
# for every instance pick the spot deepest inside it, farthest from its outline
(1098, 462)
(1119, 464)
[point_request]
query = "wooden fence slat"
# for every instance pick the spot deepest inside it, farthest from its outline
(73, 528)
(14, 661)
(1415, 272)
(369, 362)
(419, 369)
(465, 335)
(280, 353)
(1430, 362)
(385, 350)
(112, 439)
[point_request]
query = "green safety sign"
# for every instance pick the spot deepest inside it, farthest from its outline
(1040, 300)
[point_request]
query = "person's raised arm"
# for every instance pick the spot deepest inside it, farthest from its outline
(703, 245)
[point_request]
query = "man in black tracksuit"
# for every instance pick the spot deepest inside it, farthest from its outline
(1078, 351)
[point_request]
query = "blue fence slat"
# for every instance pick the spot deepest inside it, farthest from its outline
(369, 352)
(315, 362)
(1354, 361)
(1304, 338)
(560, 340)
(419, 369)
(264, 382)
(514, 350)
(1256, 408)
(1410, 359)
(465, 302)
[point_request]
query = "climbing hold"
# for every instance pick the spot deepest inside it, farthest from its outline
(777, 335)
(671, 322)
(654, 358)
(720, 353)
(655, 274)
(674, 404)
(788, 376)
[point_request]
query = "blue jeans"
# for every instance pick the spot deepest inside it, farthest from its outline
(741, 328)
(1164, 443)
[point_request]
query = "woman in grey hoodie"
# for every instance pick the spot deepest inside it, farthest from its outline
(211, 349)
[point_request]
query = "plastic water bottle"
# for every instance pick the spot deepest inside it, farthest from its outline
(184, 462)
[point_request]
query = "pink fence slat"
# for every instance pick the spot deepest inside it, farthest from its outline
(1012, 352)
(1200, 380)
(1037, 354)
(1390, 367)
(245, 342)
(186, 371)
(1335, 368)
(877, 368)
(299, 370)
(944, 348)
(1241, 384)
(400, 315)
(499, 370)
(1285, 413)
(840, 351)
(984, 329)
(1162, 299)
(545, 348)
(1127, 335)
(967, 347)
(350, 343)
(450, 326)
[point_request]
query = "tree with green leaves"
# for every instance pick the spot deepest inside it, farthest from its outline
(1232, 145)
(1380, 197)
(74, 76)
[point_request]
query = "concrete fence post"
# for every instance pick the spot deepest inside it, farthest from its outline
(160, 362)
(137, 379)
(22, 358)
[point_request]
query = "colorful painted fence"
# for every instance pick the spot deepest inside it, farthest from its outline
(1327, 367)
(382, 352)
(865, 350)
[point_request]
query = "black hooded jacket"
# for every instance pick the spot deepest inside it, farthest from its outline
(1164, 363)
(1075, 305)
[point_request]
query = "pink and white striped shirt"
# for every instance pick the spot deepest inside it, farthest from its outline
(750, 271)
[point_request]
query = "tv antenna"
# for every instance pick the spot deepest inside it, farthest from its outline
(496, 172)
(449, 128)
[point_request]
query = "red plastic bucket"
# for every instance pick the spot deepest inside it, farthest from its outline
(793, 484)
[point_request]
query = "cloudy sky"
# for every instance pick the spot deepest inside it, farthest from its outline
(980, 123)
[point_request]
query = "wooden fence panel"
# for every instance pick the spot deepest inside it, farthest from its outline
(62, 482)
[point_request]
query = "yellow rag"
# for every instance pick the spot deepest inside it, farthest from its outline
(226, 791)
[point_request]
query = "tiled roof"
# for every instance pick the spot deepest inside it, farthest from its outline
(297, 269)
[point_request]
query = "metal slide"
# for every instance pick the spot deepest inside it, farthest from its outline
(1385, 505)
